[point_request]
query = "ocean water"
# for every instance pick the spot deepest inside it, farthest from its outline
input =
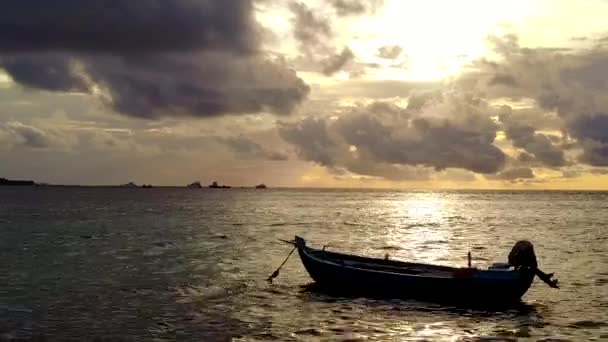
(165, 264)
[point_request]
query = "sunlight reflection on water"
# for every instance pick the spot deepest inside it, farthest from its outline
(419, 230)
(175, 264)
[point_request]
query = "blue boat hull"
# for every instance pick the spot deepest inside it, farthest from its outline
(348, 274)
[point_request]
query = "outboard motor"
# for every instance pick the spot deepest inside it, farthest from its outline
(522, 256)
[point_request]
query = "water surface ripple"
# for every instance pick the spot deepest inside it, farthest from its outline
(190, 265)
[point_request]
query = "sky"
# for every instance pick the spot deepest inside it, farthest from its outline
(470, 94)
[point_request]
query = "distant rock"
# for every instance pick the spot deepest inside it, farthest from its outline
(147, 186)
(4, 181)
(214, 185)
(261, 186)
(195, 185)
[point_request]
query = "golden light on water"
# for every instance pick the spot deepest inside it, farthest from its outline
(421, 232)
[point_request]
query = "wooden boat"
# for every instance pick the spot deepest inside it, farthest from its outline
(344, 273)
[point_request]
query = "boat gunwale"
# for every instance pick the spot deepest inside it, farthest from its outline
(513, 273)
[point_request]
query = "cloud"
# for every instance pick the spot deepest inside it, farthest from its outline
(389, 51)
(375, 89)
(249, 148)
(309, 29)
(150, 59)
(570, 83)
(570, 173)
(514, 174)
(27, 135)
(312, 139)
(592, 133)
(456, 135)
(355, 7)
(335, 63)
(598, 171)
(313, 32)
(538, 146)
(123, 26)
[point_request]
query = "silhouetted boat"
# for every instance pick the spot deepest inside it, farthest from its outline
(261, 186)
(348, 274)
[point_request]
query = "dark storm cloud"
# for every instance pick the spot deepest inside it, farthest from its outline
(389, 51)
(538, 145)
(211, 84)
(312, 140)
(591, 132)
(336, 62)
(249, 148)
(355, 7)
(126, 26)
(148, 58)
(525, 158)
(382, 135)
(54, 72)
(426, 142)
(593, 127)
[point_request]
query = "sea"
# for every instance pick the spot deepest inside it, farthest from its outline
(179, 264)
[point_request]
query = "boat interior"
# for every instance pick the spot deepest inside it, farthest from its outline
(385, 265)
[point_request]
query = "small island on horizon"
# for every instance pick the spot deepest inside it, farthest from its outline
(133, 185)
(215, 185)
(4, 181)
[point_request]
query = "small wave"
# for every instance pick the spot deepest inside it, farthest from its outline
(422, 225)
(309, 331)
(347, 223)
(14, 309)
(159, 248)
(164, 244)
(395, 248)
(588, 324)
(488, 339)
(281, 224)
(601, 281)
(437, 241)
(268, 336)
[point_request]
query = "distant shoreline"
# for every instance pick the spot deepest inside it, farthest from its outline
(4, 182)
(33, 184)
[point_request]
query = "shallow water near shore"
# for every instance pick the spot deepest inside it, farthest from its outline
(190, 264)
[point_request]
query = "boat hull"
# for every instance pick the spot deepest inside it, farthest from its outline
(349, 274)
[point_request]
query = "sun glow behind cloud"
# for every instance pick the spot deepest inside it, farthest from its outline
(438, 37)
(389, 56)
